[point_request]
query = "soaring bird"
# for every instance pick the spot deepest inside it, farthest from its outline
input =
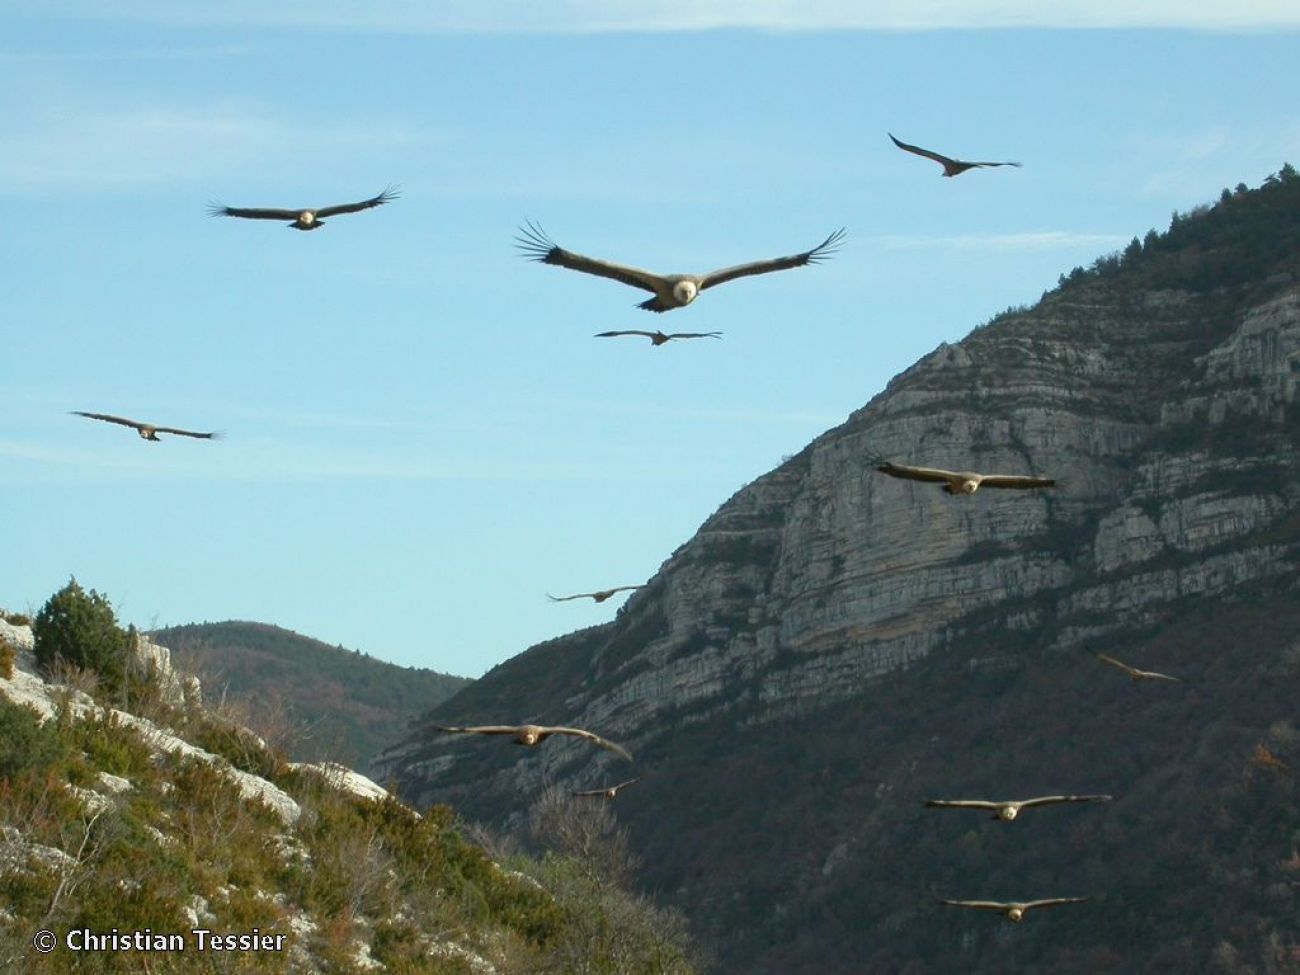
(1135, 674)
(533, 734)
(1014, 910)
(599, 596)
(1009, 810)
(609, 792)
(964, 482)
(302, 219)
(147, 430)
(951, 167)
(670, 290)
(659, 338)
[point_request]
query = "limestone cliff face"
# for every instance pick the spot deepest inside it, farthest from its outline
(1167, 412)
(824, 574)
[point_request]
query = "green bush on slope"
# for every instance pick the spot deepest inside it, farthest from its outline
(80, 629)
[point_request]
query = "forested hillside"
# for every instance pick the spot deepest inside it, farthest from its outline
(333, 704)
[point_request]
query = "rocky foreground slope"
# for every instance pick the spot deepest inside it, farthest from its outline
(834, 646)
(177, 842)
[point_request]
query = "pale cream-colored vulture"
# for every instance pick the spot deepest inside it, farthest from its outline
(1014, 910)
(670, 290)
(964, 482)
(609, 792)
(599, 596)
(1010, 809)
(951, 167)
(148, 431)
(305, 219)
(1134, 674)
(659, 338)
(535, 734)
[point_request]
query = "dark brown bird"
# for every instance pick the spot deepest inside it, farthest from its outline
(951, 167)
(599, 596)
(609, 792)
(659, 338)
(1009, 810)
(308, 219)
(1014, 910)
(147, 430)
(1134, 674)
(670, 290)
(534, 734)
(964, 482)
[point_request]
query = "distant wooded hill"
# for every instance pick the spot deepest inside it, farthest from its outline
(348, 705)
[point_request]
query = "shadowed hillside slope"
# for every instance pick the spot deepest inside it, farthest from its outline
(348, 705)
(834, 646)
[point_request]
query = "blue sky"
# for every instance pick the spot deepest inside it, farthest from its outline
(422, 436)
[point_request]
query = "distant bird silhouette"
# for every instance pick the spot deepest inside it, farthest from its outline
(964, 482)
(308, 219)
(1134, 674)
(951, 167)
(670, 290)
(599, 596)
(147, 430)
(1009, 810)
(1014, 910)
(533, 734)
(659, 338)
(609, 792)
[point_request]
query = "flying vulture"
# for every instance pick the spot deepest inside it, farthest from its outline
(1014, 910)
(533, 734)
(609, 792)
(964, 482)
(1135, 674)
(1007, 811)
(659, 338)
(302, 219)
(599, 596)
(951, 167)
(670, 290)
(147, 430)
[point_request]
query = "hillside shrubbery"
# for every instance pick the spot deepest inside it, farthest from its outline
(79, 629)
(103, 826)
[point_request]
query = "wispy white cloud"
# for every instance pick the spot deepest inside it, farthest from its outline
(267, 460)
(82, 141)
(132, 54)
(590, 16)
(1032, 241)
(1181, 164)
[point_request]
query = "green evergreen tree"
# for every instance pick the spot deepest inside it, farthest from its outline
(80, 628)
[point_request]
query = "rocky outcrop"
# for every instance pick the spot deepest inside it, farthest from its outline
(825, 574)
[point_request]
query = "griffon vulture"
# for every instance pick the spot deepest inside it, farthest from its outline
(670, 290)
(609, 792)
(1014, 910)
(1009, 810)
(147, 430)
(964, 482)
(951, 167)
(659, 338)
(302, 219)
(1134, 674)
(533, 734)
(599, 596)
